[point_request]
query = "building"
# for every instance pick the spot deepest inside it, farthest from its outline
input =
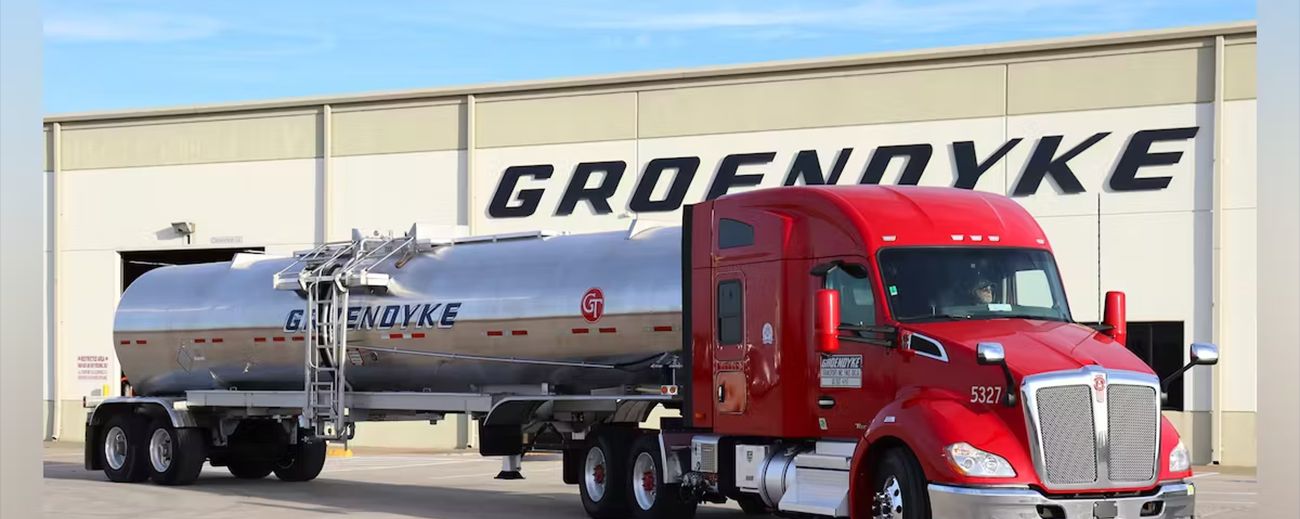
(1136, 152)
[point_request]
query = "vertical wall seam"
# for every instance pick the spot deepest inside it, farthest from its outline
(56, 394)
(1216, 262)
(327, 183)
(471, 144)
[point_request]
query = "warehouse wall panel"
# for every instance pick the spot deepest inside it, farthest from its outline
(392, 191)
(553, 120)
(1086, 83)
(260, 203)
(397, 129)
(952, 93)
(269, 136)
(1239, 71)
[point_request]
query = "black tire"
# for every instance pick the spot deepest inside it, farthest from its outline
(752, 504)
(127, 433)
(646, 484)
(603, 483)
(175, 456)
(304, 461)
(249, 468)
(898, 482)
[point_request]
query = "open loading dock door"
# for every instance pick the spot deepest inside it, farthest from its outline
(137, 263)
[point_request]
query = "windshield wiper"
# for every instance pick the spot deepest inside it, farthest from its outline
(936, 317)
(1026, 316)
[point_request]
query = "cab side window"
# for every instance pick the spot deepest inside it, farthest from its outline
(731, 315)
(857, 303)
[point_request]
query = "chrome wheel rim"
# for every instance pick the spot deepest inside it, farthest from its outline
(115, 447)
(889, 500)
(594, 476)
(160, 450)
(643, 481)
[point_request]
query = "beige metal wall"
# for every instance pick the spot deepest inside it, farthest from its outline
(376, 159)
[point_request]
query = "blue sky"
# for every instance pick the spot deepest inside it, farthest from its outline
(117, 54)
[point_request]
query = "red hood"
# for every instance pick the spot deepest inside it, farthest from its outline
(1034, 346)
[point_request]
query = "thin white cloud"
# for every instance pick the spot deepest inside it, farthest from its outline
(140, 27)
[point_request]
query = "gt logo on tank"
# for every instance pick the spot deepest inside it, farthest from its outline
(384, 317)
(593, 305)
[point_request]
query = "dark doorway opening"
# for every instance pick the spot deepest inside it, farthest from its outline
(1160, 345)
(137, 263)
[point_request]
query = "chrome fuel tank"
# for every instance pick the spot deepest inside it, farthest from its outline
(609, 298)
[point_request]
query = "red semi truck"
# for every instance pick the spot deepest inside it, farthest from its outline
(864, 351)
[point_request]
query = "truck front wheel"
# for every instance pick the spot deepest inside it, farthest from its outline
(899, 487)
(651, 496)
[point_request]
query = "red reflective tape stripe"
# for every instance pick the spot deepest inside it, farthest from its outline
(394, 336)
(126, 342)
(218, 339)
(663, 328)
(417, 335)
(259, 339)
(495, 333)
(200, 341)
(581, 330)
(277, 339)
(299, 338)
(518, 332)
(141, 341)
(608, 330)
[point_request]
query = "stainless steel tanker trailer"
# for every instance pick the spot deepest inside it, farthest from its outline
(846, 351)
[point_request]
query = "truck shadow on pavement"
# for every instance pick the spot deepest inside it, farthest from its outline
(329, 495)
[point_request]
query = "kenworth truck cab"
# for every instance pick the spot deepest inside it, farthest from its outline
(921, 340)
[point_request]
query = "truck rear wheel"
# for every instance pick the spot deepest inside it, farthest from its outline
(604, 481)
(249, 468)
(651, 496)
(176, 456)
(122, 446)
(899, 487)
(304, 461)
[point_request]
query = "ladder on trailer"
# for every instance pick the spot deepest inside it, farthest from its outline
(326, 276)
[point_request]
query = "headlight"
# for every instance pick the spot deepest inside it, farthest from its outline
(974, 462)
(1179, 459)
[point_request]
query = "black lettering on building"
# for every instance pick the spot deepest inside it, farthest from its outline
(683, 172)
(1044, 162)
(728, 176)
(528, 198)
(807, 167)
(1138, 155)
(969, 169)
(597, 196)
(917, 155)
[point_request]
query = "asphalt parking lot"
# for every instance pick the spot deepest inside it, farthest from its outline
(390, 485)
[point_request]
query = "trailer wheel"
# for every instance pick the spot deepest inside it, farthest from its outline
(752, 504)
(651, 497)
(122, 446)
(304, 461)
(604, 482)
(249, 468)
(175, 456)
(900, 488)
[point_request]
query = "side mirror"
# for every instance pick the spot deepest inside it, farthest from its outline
(990, 354)
(1204, 354)
(1115, 317)
(827, 320)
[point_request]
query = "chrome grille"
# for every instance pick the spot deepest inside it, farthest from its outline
(1132, 432)
(1068, 434)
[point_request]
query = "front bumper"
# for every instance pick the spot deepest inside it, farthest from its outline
(1175, 501)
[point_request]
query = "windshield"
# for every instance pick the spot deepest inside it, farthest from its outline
(972, 283)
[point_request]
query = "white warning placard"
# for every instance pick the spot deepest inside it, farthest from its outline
(841, 371)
